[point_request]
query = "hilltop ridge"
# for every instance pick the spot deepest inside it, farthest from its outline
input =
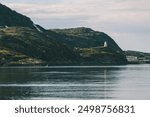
(9, 18)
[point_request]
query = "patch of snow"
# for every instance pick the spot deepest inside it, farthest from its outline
(37, 28)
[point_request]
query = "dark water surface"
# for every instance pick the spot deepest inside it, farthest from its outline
(75, 82)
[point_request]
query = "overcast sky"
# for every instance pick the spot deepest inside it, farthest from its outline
(126, 21)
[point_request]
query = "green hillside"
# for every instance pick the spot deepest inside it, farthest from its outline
(34, 44)
(89, 44)
(24, 43)
(85, 37)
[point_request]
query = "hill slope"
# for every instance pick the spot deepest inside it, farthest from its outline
(10, 18)
(24, 43)
(90, 45)
(34, 44)
(85, 37)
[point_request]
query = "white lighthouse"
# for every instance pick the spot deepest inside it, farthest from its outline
(105, 44)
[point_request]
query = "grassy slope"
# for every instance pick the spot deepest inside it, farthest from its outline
(89, 44)
(85, 37)
(21, 42)
(34, 44)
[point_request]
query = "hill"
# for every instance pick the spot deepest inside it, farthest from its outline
(90, 45)
(85, 37)
(137, 57)
(24, 43)
(33, 44)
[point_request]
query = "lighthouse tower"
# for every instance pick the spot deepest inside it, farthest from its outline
(105, 44)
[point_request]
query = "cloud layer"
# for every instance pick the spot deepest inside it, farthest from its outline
(125, 20)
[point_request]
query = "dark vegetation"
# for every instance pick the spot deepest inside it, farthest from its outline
(24, 43)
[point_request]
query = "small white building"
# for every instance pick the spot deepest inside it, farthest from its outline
(132, 58)
(105, 44)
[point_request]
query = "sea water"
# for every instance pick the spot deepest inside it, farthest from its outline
(75, 82)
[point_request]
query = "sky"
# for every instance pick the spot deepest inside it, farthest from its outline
(126, 21)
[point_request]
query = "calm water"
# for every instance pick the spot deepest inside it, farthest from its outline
(75, 82)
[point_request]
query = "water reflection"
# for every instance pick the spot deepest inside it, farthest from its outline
(93, 82)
